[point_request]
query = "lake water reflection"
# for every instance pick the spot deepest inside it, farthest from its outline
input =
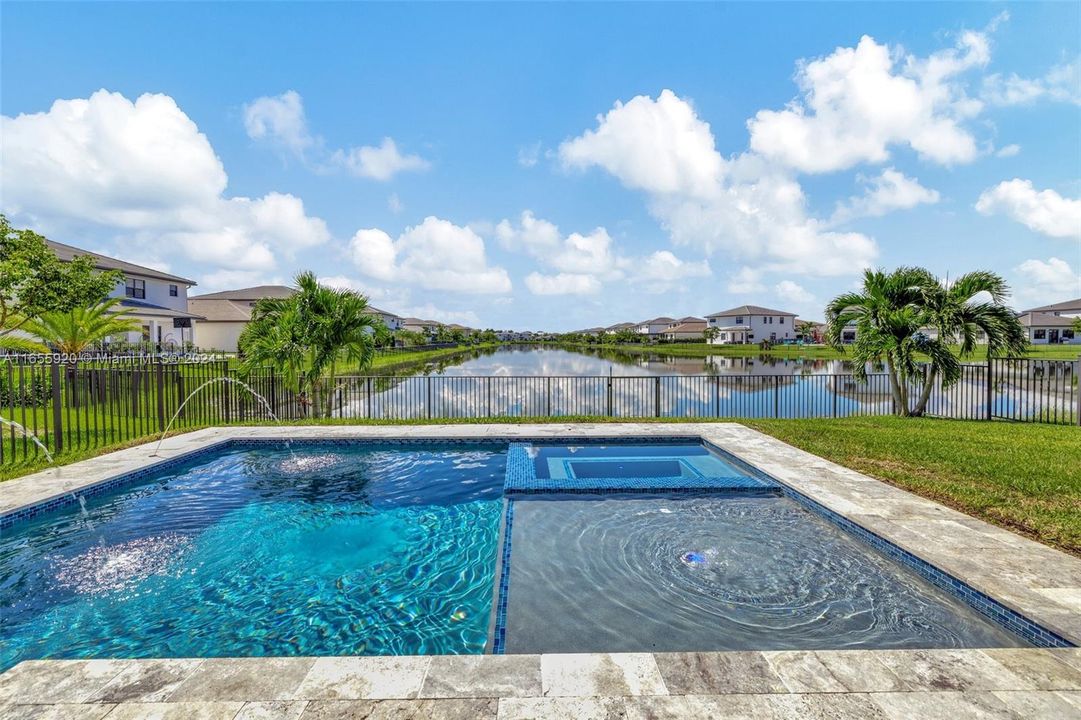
(556, 362)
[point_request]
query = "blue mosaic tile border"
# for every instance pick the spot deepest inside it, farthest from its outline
(499, 634)
(982, 603)
(522, 480)
(28, 513)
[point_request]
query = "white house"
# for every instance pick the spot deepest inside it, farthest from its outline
(1048, 329)
(751, 324)
(620, 327)
(655, 327)
(156, 299)
(225, 314)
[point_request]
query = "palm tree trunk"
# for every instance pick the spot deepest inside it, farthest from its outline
(899, 401)
(925, 394)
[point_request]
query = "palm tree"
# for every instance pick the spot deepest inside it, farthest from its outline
(74, 331)
(893, 313)
(306, 335)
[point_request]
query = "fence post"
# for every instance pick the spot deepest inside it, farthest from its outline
(159, 381)
(548, 391)
(609, 395)
(833, 382)
(657, 396)
(1077, 391)
(988, 380)
(429, 397)
(369, 383)
(58, 424)
(776, 396)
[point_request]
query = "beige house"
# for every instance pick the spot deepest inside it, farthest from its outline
(688, 328)
(225, 314)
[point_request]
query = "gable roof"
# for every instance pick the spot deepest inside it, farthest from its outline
(750, 310)
(103, 262)
(694, 326)
(252, 293)
(1035, 319)
(214, 310)
(1058, 307)
(657, 321)
(691, 319)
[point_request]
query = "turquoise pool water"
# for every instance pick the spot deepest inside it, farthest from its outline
(344, 550)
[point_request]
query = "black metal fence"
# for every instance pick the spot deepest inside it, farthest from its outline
(70, 406)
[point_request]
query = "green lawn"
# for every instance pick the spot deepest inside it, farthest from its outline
(1024, 477)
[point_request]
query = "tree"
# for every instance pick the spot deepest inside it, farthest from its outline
(894, 313)
(33, 281)
(73, 331)
(1077, 325)
(307, 335)
(806, 329)
(710, 334)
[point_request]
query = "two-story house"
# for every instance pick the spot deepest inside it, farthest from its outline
(654, 328)
(751, 324)
(158, 300)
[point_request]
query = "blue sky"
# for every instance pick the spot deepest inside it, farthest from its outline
(553, 166)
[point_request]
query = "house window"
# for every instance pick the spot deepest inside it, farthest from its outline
(739, 320)
(782, 321)
(1039, 335)
(1068, 334)
(173, 292)
(135, 288)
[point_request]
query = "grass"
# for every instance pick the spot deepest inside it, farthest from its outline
(1024, 477)
(385, 362)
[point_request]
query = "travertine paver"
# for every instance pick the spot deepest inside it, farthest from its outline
(718, 673)
(243, 679)
(478, 675)
(601, 674)
(948, 684)
(364, 678)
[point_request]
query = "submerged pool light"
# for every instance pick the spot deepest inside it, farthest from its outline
(693, 558)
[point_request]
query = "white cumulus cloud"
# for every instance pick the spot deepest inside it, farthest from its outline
(281, 121)
(436, 254)
(856, 103)
(747, 207)
(584, 261)
(1044, 211)
(1048, 281)
(141, 170)
(889, 191)
(1061, 83)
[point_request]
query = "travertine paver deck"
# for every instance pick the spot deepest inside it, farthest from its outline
(1037, 581)
(897, 684)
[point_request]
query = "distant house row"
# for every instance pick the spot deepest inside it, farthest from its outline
(740, 325)
(167, 316)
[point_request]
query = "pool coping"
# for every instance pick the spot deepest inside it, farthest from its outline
(1033, 580)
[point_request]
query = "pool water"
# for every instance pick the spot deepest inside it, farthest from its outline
(359, 548)
(632, 573)
(342, 550)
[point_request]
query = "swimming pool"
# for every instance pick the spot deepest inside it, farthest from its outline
(256, 548)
